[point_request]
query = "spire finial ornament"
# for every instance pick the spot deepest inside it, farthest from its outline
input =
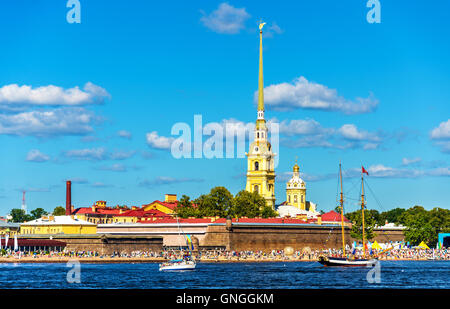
(296, 167)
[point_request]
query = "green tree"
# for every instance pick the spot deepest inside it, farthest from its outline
(422, 225)
(18, 215)
(185, 208)
(205, 206)
(218, 202)
(418, 227)
(440, 221)
(59, 211)
(268, 212)
(369, 224)
(246, 204)
(38, 213)
(392, 216)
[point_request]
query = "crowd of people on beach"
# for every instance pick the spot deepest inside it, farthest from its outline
(220, 254)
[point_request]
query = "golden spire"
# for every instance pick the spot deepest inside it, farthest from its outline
(261, 80)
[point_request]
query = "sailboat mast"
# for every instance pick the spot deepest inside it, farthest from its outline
(362, 213)
(342, 211)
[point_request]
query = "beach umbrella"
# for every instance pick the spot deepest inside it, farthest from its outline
(375, 245)
(16, 247)
(423, 245)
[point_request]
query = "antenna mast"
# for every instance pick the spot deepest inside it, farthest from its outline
(24, 206)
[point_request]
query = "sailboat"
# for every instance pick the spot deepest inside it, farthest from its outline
(345, 261)
(185, 263)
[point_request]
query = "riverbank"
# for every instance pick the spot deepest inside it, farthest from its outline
(159, 260)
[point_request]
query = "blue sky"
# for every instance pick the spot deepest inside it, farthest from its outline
(78, 100)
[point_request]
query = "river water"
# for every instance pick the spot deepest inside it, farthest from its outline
(275, 275)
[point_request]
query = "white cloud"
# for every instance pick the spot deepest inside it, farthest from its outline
(303, 127)
(370, 146)
(122, 155)
(165, 180)
(440, 171)
(226, 19)
(444, 145)
(35, 155)
(312, 134)
(114, 168)
(406, 161)
(98, 154)
(101, 185)
(124, 134)
(351, 132)
(270, 30)
(158, 142)
(310, 95)
(13, 95)
(60, 121)
(442, 131)
(94, 154)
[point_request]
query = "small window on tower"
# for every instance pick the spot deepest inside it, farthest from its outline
(256, 189)
(256, 166)
(257, 135)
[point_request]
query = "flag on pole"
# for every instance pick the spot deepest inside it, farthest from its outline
(364, 170)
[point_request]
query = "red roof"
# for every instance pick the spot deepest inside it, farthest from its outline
(173, 220)
(333, 216)
(143, 213)
(101, 211)
(171, 206)
(223, 220)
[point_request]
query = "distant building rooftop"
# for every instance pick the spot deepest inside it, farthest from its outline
(58, 220)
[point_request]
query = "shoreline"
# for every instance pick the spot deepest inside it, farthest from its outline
(160, 260)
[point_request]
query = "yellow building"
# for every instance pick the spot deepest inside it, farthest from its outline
(296, 190)
(260, 158)
(8, 228)
(58, 225)
(167, 207)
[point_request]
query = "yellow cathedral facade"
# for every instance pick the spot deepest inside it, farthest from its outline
(260, 163)
(260, 158)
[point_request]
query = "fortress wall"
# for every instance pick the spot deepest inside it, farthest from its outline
(107, 244)
(241, 237)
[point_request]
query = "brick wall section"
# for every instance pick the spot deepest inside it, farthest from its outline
(107, 244)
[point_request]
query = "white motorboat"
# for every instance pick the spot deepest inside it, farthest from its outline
(180, 264)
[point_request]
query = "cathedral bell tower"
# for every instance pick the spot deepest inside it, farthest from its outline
(260, 158)
(296, 190)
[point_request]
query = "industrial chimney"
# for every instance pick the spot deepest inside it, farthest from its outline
(68, 198)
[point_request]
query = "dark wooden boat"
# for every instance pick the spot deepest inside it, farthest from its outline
(344, 262)
(349, 262)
